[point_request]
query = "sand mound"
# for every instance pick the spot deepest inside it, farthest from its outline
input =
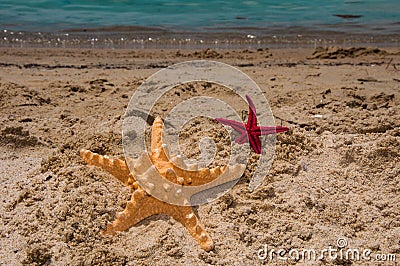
(335, 52)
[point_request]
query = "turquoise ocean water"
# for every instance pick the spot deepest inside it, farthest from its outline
(251, 21)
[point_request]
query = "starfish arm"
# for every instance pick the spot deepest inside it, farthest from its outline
(156, 134)
(137, 209)
(252, 120)
(280, 129)
(116, 167)
(186, 216)
(242, 138)
(272, 130)
(238, 126)
(199, 177)
(143, 205)
(226, 173)
(255, 143)
(157, 147)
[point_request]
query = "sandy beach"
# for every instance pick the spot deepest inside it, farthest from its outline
(335, 176)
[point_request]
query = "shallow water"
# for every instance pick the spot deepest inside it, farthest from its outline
(201, 20)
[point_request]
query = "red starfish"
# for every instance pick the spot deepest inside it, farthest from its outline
(251, 131)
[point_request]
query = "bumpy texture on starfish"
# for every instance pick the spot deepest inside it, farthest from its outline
(251, 131)
(142, 204)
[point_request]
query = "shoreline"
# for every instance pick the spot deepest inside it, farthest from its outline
(156, 38)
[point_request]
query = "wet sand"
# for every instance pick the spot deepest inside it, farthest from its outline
(336, 173)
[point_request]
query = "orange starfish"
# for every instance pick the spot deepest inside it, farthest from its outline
(142, 204)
